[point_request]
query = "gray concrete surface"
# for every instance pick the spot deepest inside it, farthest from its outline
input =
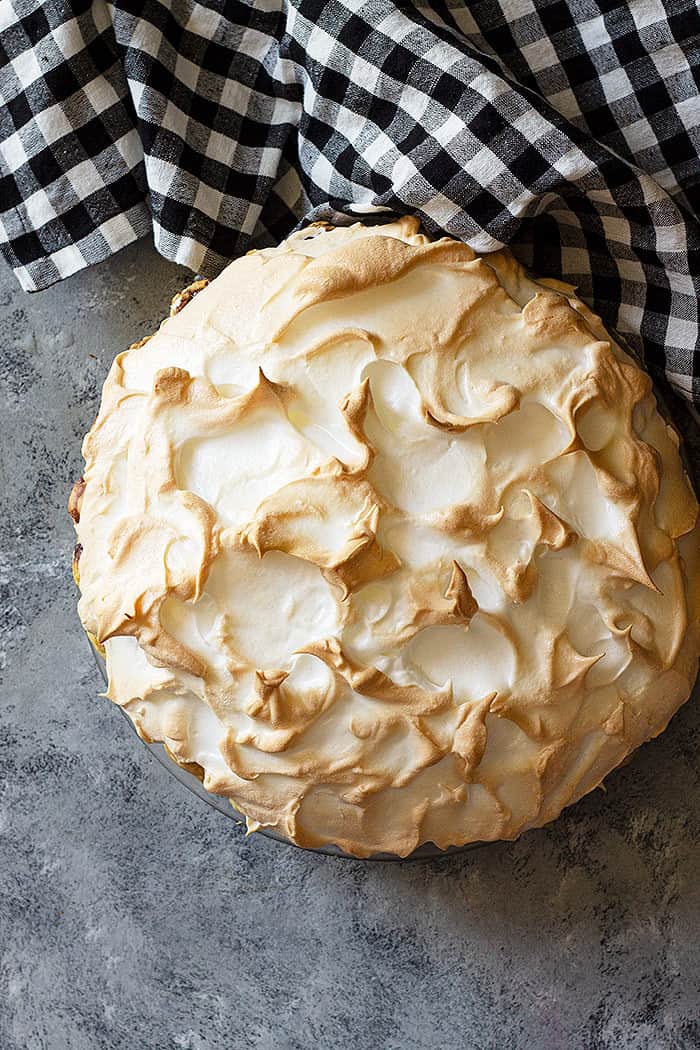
(134, 916)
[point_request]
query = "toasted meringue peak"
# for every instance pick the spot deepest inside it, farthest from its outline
(388, 542)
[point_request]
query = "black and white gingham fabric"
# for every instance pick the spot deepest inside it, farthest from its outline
(569, 129)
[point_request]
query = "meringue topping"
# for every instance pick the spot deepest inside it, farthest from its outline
(389, 542)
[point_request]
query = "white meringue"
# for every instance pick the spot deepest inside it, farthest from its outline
(389, 542)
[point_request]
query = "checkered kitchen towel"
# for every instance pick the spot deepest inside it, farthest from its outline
(567, 128)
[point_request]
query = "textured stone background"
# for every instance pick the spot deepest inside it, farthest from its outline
(134, 916)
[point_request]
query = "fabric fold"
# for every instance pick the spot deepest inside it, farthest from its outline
(570, 132)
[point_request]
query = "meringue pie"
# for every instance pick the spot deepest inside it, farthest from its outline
(388, 542)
